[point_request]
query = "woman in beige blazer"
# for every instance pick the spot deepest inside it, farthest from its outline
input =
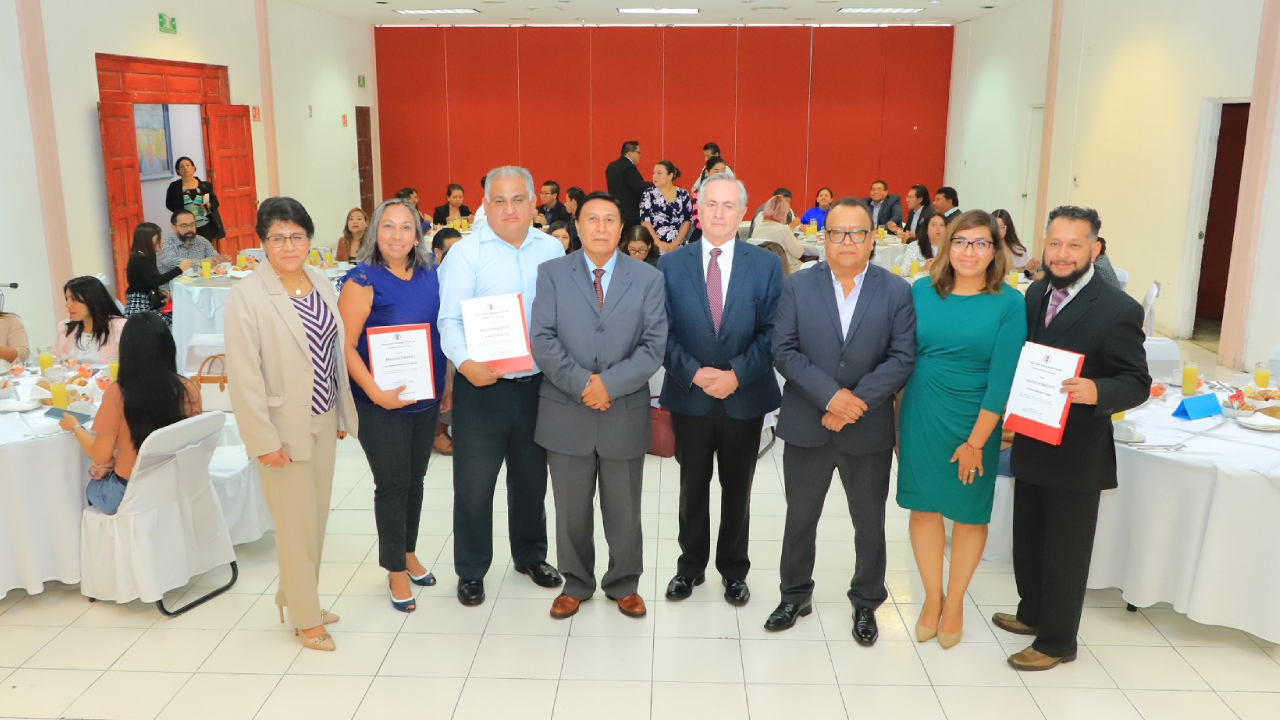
(292, 401)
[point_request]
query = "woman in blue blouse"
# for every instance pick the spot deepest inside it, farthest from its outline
(395, 283)
(818, 213)
(666, 209)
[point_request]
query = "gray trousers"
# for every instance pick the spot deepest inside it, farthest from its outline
(574, 479)
(806, 479)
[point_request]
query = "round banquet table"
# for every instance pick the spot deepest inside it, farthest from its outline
(197, 310)
(1198, 527)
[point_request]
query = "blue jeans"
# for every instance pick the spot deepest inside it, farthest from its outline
(1005, 464)
(106, 494)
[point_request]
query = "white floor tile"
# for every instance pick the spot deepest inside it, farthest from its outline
(30, 693)
(447, 615)
(254, 578)
(696, 660)
(1082, 704)
(1170, 705)
(127, 695)
(431, 655)
(888, 663)
(84, 649)
(1253, 705)
(1116, 626)
(522, 657)
(18, 643)
(261, 652)
(314, 697)
(166, 650)
(357, 654)
(975, 703)
(866, 702)
(522, 616)
(785, 702)
(1233, 669)
(220, 613)
(348, 548)
(791, 662)
(1084, 672)
(490, 698)
(367, 613)
(600, 618)
(135, 614)
(57, 606)
(700, 700)
(1148, 668)
(609, 658)
(417, 698)
(220, 697)
(1181, 631)
(968, 664)
(686, 619)
(993, 589)
(593, 699)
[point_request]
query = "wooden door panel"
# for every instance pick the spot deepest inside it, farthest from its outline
(124, 184)
(364, 157)
(229, 156)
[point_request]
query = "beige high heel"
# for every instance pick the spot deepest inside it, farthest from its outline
(925, 634)
(324, 642)
(949, 640)
(326, 617)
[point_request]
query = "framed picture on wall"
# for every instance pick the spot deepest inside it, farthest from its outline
(151, 124)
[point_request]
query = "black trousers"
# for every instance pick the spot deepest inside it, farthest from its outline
(492, 425)
(1052, 547)
(702, 441)
(398, 447)
(807, 478)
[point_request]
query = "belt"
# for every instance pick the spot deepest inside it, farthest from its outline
(521, 380)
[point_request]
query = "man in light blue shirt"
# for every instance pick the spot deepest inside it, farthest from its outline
(494, 415)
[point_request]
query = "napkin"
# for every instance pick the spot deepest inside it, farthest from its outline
(39, 393)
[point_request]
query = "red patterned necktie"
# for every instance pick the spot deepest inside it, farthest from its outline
(599, 288)
(1056, 298)
(715, 299)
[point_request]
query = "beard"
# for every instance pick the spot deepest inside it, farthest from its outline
(187, 236)
(1065, 281)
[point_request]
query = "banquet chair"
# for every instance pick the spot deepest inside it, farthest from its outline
(239, 490)
(1123, 277)
(1149, 309)
(1163, 358)
(169, 527)
(255, 253)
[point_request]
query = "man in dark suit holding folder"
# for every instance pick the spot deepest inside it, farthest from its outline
(1057, 487)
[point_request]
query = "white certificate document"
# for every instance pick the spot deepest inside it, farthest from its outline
(1037, 394)
(401, 355)
(494, 328)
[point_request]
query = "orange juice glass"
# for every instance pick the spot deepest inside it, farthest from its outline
(59, 392)
(1262, 375)
(1190, 378)
(46, 360)
(206, 269)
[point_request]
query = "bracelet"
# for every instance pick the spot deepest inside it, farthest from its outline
(971, 447)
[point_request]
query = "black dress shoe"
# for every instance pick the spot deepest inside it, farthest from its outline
(542, 574)
(865, 630)
(736, 592)
(470, 592)
(784, 616)
(681, 586)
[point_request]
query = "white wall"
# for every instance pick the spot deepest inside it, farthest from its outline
(22, 242)
(186, 139)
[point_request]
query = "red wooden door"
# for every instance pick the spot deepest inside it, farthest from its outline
(124, 184)
(229, 156)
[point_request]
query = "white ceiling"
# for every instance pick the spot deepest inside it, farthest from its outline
(604, 12)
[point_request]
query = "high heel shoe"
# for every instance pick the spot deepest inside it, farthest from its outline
(324, 642)
(405, 606)
(925, 634)
(426, 580)
(326, 617)
(948, 640)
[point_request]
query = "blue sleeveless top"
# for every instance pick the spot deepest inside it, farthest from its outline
(401, 302)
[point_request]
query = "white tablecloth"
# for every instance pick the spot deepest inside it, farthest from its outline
(197, 310)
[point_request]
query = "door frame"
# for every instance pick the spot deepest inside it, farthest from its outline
(1202, 169)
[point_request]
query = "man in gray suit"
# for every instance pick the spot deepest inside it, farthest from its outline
(599, 332)
(845, 341)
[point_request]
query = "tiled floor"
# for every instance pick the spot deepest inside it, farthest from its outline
(231, 659)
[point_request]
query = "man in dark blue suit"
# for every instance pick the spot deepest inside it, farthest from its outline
(721, 298)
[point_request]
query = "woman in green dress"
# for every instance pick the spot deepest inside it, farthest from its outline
(970, 328)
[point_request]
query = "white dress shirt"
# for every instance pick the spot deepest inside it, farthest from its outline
(846, 305)
(725, 261)
(1073, 289)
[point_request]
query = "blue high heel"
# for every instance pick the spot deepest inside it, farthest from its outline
(407, 605)
(424, 580)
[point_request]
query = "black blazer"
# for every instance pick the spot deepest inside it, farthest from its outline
(173, 201)
(746, 331)
(1105, 325)
(874, 361)
(440, 215)
(922, 228)
(623, 179)
(891, 209)
(143, 276)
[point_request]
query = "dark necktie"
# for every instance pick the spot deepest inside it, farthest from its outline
(715, 295)
(599, 288)
(1056, 298)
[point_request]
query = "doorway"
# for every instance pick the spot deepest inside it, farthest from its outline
(1031, 180)
(364, 158)
(1220, 225)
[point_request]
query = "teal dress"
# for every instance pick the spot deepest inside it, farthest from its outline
(967, 348)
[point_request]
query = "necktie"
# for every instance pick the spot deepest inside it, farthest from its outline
(715, 299)
(599, 288)
(1056, 298)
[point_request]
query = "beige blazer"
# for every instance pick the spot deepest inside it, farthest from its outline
(269, 365)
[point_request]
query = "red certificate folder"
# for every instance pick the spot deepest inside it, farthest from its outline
(371, 332)
(1040, 431)
(519, 363)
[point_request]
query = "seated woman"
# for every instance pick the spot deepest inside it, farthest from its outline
(92, 333)
(146, 291)
(638, 242)
(818, 213)
(352, 236)
(560, 231)
(778, 250)
(1102, 265)
(925, 251)
(775, 228)
(453, 209)
(14, 346)
(148, 394)
(1018, 253)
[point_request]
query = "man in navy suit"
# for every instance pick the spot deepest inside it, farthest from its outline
(885, 208)
(721, 297)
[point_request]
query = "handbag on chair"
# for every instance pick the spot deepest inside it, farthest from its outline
(214, 393)
(662, 439)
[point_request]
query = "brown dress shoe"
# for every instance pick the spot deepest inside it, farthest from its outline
(564, 606)
(631, 605)
(1031, 660)
(443, 444)
(1010, 623)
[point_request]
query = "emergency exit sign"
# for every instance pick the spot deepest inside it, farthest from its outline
(168, 24)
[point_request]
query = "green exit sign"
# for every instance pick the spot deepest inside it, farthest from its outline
(168, 24)
(359, 81)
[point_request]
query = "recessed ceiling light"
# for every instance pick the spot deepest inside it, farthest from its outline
(881, 11)
(658, 11)
(446, 11)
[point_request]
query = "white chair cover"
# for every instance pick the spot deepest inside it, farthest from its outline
(1164, 358)
(169, 527)
(202, 346)
(235, 480)
(1123, 277)
(1149, 308)
(1275, 362)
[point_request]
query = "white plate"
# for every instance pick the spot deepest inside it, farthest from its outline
(19, 405)
(1135, 439)
(1259, 422)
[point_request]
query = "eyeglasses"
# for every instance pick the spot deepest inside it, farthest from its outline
(959, 245)
(277, 241)
(186, 226)
(840, 237)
